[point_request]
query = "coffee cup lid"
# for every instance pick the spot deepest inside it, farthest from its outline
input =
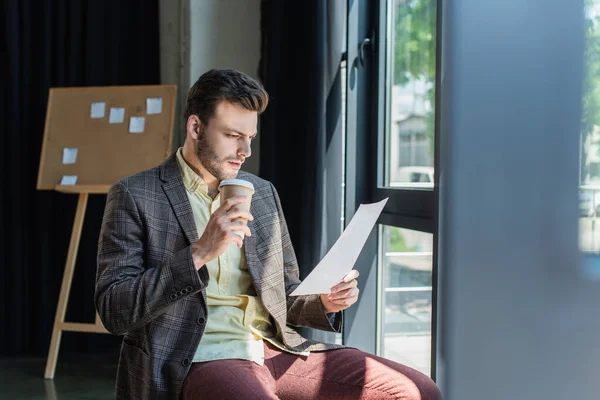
(239, 182)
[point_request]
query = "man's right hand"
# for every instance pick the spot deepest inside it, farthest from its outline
(219, 232)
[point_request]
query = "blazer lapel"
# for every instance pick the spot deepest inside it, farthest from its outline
(175, 192)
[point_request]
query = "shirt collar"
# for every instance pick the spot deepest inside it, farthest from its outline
(191, 180)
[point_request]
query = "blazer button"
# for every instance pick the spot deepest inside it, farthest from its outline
(189, 289)
(173, 296)
(201, 321)
(185, 362)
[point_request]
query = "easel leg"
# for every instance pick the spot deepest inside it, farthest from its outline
(65, 288)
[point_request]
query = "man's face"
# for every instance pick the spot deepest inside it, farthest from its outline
(224, 144)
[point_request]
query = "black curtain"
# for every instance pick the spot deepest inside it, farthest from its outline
(43, 44)
(301, 143)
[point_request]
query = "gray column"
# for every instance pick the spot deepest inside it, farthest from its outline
(175, 57)
(519, 320)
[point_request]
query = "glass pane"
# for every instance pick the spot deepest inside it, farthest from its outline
(410, 97)
(405, 281)
(589, 200)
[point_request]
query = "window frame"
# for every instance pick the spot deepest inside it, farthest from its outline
(409, 208)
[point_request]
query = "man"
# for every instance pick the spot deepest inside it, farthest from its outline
(205, 312)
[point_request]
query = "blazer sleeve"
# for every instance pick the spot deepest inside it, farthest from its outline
(306, 310)
(129, 294)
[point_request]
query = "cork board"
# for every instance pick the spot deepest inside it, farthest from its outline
(84, 139)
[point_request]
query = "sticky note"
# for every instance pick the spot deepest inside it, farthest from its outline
(68, 180)
(97, 110)
(69, 155)
(154, 105)
(136, 124)
(116, 115)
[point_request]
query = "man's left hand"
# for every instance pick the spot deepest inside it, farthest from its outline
(342, 295)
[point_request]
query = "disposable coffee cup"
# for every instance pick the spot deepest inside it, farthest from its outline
(237, 187)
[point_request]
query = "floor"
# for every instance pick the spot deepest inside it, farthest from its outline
(92, 377)
(81, 377)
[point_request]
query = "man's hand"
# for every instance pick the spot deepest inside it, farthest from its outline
(219, 232)
(342, 295)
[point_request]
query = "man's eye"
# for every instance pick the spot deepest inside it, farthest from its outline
(230, 135)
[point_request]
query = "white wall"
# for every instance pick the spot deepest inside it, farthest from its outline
(198, 35)
(226, 34)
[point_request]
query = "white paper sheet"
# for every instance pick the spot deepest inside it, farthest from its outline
(116, 115)
(69, 180)
(344, 253)
(97, 110)
(154, 105)
(136, 124)
(69, 155)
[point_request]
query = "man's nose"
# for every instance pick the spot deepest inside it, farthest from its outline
(245, 149)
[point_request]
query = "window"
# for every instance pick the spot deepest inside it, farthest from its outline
(391, 152)
(406, 296)
(410, 97)
(406, 255)
(589, 200)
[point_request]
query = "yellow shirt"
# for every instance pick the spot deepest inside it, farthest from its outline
(237, 321)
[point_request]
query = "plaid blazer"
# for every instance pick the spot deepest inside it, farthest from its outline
(148, 290)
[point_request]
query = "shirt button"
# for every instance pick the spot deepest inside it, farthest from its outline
(201, 321)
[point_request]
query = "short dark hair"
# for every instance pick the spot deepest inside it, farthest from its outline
(228, 85)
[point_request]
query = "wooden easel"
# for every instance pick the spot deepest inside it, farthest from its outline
(71, 123)
(59, 320)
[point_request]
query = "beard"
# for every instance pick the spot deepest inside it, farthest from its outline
(211, 161)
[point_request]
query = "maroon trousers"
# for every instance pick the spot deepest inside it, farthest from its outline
(334, 374)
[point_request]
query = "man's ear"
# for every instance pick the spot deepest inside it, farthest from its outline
(194, 126)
